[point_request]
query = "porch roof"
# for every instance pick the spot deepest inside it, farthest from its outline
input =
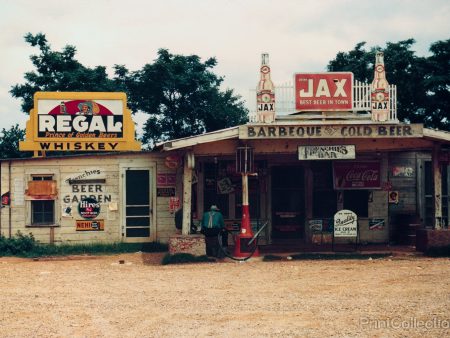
(234, 133)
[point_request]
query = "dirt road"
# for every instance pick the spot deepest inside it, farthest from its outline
(98, 297)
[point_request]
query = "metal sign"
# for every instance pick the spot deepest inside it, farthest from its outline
(345, 224)
(346, 131)
(356, 175)
(336, 152)
(6, 198)
(89, 208)
(97, 225)
(324, 91)
(69, 121)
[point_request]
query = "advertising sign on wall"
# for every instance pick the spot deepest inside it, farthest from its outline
(345, 224)
(324, 91)
(335, 152)
(6, 198)
(356, 175)
(97, 225)
(89, 208)
(80, 121)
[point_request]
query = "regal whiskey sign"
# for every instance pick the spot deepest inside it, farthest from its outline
(80, 122)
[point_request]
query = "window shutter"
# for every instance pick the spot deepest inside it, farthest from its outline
(41, 190)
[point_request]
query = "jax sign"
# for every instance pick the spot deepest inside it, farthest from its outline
(324, 91)
(69, 121)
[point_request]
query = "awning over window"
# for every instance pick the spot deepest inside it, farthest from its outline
(41, 190)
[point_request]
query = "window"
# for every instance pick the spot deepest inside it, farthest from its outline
(429, 195)
(213, 173)
(357, 201)
(42, 193)
(324, 195)
(42, 178)
(42, 212)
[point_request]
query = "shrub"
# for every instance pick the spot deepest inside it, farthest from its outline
(17, 245)
(438, 251)
(185, 258)
(26, 246)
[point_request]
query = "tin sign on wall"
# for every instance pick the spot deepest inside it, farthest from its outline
(335, 152)
(324, 91)
(89, 208)
(345, 224)
(356, 175)
(97, 225)
(80, 121)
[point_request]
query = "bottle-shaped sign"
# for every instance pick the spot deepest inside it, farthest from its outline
(62, 108)
(380, 91)
(265, 93)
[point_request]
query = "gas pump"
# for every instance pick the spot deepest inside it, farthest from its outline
(244, 166)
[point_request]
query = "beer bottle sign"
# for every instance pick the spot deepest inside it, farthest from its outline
(265, 93)
(380, 91)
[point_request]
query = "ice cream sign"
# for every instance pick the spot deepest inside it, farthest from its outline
(80, 122)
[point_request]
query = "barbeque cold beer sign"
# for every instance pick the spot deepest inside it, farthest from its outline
(80, 122)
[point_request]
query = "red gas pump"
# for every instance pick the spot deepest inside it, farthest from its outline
(244, 165)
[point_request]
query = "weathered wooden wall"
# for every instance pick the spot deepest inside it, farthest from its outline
(109, 193)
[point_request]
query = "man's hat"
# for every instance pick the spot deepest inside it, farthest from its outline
(214, 208)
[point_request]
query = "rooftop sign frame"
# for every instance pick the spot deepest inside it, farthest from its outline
(80, 121)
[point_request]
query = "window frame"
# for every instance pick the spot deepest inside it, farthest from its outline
(39, 174)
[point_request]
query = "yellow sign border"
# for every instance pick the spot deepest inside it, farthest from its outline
(126, 143)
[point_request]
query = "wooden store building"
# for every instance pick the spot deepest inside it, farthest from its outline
(339, 146)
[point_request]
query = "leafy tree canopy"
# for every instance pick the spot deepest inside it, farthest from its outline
(423, 83)
(180, 94)
(9, 143)
(59, 71)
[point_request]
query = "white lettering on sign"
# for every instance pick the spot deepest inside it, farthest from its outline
(324, 91)
(79, 123)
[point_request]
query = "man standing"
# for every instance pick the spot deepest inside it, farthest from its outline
(212, 224)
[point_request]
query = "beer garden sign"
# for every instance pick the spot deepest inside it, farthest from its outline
(76, 121)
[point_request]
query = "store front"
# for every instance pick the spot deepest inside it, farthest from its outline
(382, 172)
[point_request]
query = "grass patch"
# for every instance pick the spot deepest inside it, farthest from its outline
(25, 246)
(182, 258)
(326, 256)
(438, 251)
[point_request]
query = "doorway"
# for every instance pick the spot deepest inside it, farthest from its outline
(137, 204)
(288, 202)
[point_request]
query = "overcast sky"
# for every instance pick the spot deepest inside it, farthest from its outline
(299, 35)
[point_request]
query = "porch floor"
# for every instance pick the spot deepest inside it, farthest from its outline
(289, 246)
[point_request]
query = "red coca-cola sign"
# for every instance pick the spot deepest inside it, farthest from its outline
(356, 175)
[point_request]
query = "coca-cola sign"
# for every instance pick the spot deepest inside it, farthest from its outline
(356, 175)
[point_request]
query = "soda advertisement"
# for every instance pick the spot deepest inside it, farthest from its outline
(356, 175)
(324, 91)
(97, 225)
(89, 208)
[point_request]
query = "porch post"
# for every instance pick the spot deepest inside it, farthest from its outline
(437, 197)
(187, 192)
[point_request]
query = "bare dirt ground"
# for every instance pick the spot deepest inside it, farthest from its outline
(98, 297)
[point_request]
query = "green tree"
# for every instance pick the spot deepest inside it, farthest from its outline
(182, 97)
(437, 86)
(422, 83)
(180, 93)
(59, 71)
(9, 143)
